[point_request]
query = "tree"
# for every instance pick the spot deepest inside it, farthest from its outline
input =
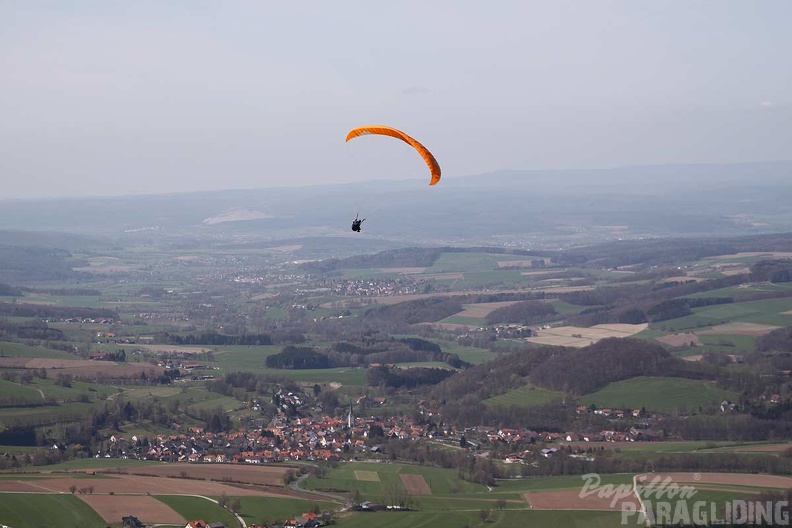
(397, 495)
(356, 498)
(222, 500)
(72, 489)
(500, 503)
(234, 505)
(484, 515)
(463, 442)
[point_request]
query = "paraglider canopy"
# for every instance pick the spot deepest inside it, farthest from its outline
(384, 130)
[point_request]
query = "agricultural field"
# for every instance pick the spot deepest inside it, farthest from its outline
(579, 337)
(658, 394)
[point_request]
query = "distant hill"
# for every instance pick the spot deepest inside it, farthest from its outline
(523, 209)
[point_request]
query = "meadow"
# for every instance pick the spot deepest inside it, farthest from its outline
(198, 508)
(32, 510)
(440, 481)
(661, 394)
(525, 397)
(8, 349)
(268, 509)
(768, 312)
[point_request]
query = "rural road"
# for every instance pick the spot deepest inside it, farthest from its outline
(295, 485)
(641, 502)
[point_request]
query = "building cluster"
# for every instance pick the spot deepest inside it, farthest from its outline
(284, 439)
(374, 287)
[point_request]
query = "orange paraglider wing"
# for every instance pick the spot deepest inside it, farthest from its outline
(383, 130)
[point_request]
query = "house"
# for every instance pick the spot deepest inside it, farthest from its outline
(197, 524)
(131, 521)
(549, 452)
(728, 406)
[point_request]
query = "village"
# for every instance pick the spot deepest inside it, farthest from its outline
(333, 439)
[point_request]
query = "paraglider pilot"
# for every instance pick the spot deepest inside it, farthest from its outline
(356, 224)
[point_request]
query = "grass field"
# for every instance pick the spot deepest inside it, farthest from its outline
(33, 510)
(464, 262)
(769, 312)
(461, 518)
(251, 359)
(556, 483)
(481, 279)
(466, 353)
(461, 320)
(269, 509)
(525, 397)
(16, 392)
(440, 481)
(95, 391)
(728, 342)
(681, 507)
(46, 414)
(195, 508)
(19, 350)
(657, 394)
(738, 292)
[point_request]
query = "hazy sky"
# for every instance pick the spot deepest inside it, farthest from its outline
(119, 97)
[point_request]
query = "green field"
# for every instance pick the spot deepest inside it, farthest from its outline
(729, 342)
(463, 262)
(193, 508)
(738, 292)
(466, 353)
(769, 312)
(461, 320)
(461, 518)
(557, 483)
(440, 481)
(8, 349)
(269, 509)
(15, 392)
(456, 503)
(494, 278)
(46, 414)
(525, 397)
(94, 391)
(34, 510)
(675, 509)
(657, 394)
(252, 358)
